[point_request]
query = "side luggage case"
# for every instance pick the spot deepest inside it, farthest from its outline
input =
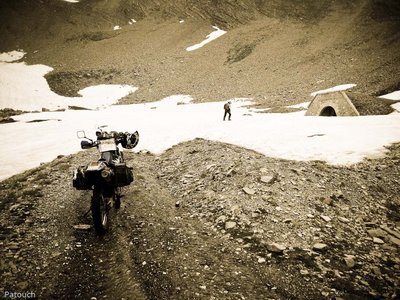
(79, 181)
(123, 174)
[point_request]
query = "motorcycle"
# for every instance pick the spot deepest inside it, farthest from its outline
(106, 176)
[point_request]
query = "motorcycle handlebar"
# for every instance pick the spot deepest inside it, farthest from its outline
(88, 144)
(127, 140)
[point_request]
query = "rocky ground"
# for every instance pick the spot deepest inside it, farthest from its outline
(207, 220)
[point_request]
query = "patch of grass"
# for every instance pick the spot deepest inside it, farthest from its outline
(7, 198)
(92, 36)
(41, 176)
(33, 192)
(369, 105)
(10, 196)
(282, 109)
(239, 52)
(43, 120)
(7, 120)
(47, 181)
(393, 206)
(8, 112)
(63, 167)
(14, 185)
(73, 107)
(24, 176)
(352, 291)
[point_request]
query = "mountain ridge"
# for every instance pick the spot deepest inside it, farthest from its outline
(276, 52)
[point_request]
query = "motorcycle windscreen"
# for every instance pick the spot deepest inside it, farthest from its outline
(107, 145)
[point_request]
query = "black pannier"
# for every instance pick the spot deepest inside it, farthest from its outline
(79, 181)
(123, 174)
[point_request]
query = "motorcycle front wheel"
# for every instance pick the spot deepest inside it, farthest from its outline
(99, 211)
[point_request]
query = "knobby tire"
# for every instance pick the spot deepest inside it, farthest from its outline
(99, 211)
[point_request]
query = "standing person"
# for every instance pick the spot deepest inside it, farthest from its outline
(227, 108)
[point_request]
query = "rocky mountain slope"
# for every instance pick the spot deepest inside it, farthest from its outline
(275, 51)
(236, 225)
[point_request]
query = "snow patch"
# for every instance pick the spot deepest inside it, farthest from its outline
(165, 123)
(173, 120)
(337, 88)
(72, 1)
(212, 36)
(303, 105)
(24, 87)
(117, 27)
(392, 96)
(12, 56)
(171, 101)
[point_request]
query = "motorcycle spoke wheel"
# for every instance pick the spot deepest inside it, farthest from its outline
(99, 212)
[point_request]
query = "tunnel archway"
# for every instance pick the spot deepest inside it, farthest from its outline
(328, 111)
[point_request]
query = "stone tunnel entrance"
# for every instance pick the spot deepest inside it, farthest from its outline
(328, 111)
(331, 105)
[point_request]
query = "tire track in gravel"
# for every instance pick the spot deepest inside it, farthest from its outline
(80, 264)
(180, 257)
(99, 266)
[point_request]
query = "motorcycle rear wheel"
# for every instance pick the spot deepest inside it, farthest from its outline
(99, 212)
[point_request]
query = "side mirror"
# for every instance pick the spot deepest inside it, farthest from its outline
(81, 134)
(86, 144)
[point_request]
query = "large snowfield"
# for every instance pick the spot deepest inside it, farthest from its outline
(26, 144)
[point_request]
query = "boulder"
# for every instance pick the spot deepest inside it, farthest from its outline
(319, 246)
(249, 191)
(275, 248)
(230, 225)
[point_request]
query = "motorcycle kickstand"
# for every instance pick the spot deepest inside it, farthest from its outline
(85, 215)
